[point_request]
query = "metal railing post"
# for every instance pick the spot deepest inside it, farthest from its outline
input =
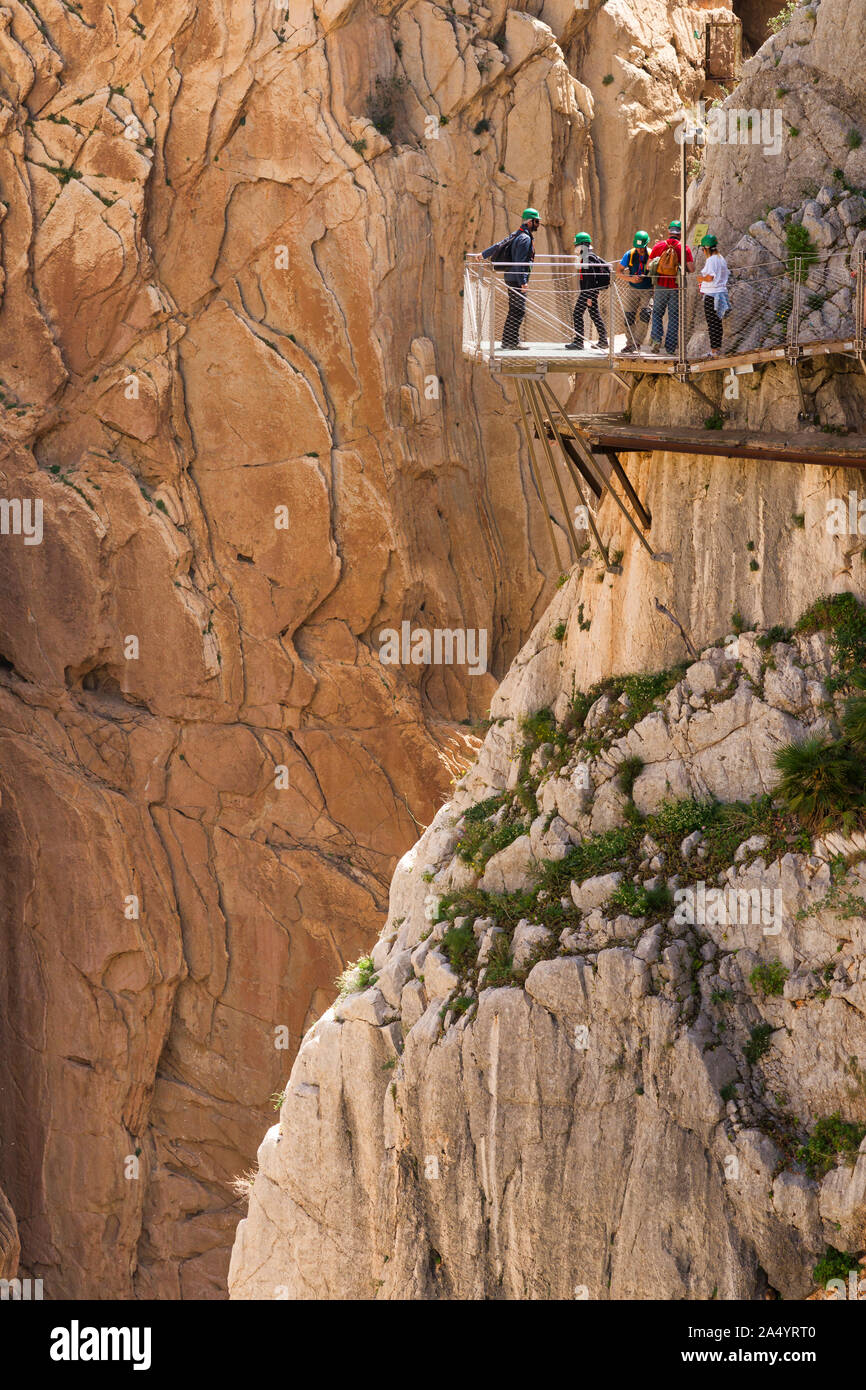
(611, 319)
(797, 306)
(681, 277)
(859, 307)
(490, 310)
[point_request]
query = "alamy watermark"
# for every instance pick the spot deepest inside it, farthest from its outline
(733, 125)
(856, 1291)
(77, 1343)
(735, 907)
(21, 516)
(846, 517)
(418, 646)
(21, 1290)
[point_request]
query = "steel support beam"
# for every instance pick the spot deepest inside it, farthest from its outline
(536, 477)
(532, 392)
(574, 478)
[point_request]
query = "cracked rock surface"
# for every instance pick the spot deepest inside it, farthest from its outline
(229, 267)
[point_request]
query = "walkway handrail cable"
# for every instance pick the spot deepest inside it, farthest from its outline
(810, 300)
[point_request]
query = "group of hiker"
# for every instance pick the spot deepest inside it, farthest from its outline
(647, 279)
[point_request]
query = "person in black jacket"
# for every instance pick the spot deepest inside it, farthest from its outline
(594, 276)
(516, 256)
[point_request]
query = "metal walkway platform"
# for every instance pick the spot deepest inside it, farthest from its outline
(804, 309)
(540, 358)
(809, 307)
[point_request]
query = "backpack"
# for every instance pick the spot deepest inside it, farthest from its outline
(501, 253)
(595, 274)
(669, 262)
(639, 252)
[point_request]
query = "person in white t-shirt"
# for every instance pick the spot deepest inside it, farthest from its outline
(713, 280)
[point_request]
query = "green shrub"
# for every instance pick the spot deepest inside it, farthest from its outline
(644, 689)
(769, 977)
(775, 634)
(538, 728)
(833, 1264)
(759, 1043)
(800, 247)
(481, 841)
(832, 1139)
(822, 782)
(627, 774)
(639, 901)
(500, 964)
(843, 618)
(681, 818)
(591, 857)
(461, 947)
(483, 809)
(356, 977)
(558, 633)
(785, 15)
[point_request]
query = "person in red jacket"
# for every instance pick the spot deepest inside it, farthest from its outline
(666, 297)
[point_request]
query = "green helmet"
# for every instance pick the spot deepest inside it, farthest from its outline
(583, 239)
(529, 213)
(709, 241)
(675, 226)
(641, 239)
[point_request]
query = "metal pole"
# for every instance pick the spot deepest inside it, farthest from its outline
(681, 336)
(544, 391)
(490, 276)
(795, 309)
(542, 434)
(860, 308)
(590, 459)
(536, 477)
(611, 320)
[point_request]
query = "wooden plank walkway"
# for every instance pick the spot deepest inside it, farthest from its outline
(807, 446)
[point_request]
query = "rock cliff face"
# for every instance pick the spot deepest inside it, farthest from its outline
(544, 1082)
(10, 1246)
(552, 1085)
(230, 238)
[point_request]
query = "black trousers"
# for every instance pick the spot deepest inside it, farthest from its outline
(588, 300)
(714, 323)
(515, 316)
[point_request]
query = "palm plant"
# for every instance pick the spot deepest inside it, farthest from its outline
(822, 782)
(854, 717)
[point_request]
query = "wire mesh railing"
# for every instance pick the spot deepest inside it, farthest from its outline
(594, 311)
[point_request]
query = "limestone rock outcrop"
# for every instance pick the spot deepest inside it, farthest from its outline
(805, 77)
(615, 1100)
